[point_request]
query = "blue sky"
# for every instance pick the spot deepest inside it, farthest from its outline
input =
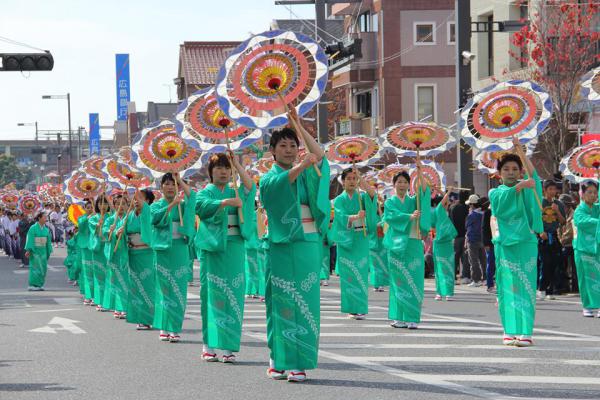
(84, 36)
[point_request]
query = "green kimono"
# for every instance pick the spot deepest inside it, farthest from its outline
(515, 218)
(117, 268)
(586, 242)
(72, 260)
(298, 214)
(86, 278)
(220, 243)
(443, 251)
(142, 273)
(254, 275)
(326, 256)
(262, 252)
(353, 249)
(169, 238)
(406, 261)
(378, 262)
(39, 246)
(97, 242)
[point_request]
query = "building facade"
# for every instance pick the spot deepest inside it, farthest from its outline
(407, 69)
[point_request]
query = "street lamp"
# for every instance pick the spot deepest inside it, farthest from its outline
(58, 158)
(31, 124)
(68, 98)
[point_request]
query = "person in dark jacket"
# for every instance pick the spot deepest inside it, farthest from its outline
(458, 215)
(23, 228)
(474, 240)
(490, 266)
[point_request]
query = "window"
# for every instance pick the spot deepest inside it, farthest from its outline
(375, 22)
(364, 22)
(363, 104)
(451, 34)
(424, 33)
(425, 102)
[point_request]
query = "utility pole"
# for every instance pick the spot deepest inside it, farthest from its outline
(70, 145)
(463, 85)
(322, 128)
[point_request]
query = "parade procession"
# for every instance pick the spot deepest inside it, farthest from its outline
(250, 232)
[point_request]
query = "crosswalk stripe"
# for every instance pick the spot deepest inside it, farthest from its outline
(415, 346)
(475, 360)
(561, 380)
(450, 336)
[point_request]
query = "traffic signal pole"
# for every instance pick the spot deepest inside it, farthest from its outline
(322, 128)
(463, 85)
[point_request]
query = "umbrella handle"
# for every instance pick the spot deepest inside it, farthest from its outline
(178, 204)
(360, 205)
(233, 175)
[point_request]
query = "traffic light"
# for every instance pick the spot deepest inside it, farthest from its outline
(343, 53)
(26, 61)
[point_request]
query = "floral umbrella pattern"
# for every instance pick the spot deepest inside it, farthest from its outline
(590, 86)
(428, 138)
(497, 113)
(202, 124)
(267, 68)
(582, 163)
(160, 149)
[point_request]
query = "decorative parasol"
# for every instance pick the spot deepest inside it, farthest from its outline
(433, 174)
(93, 166)
(486, 161)
(79, 186)
(124, 176)
(125, 155)
(497, 113)
(582, 163)
(348, 151)
(74, 212)
(160, 149)
(263, 164)
(425, 138)
(10, 199)
(202, 125)
(269, 69)
(386, 175)
(30, 204)
(590, 86)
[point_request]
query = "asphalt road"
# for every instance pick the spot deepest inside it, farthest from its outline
(53, 347)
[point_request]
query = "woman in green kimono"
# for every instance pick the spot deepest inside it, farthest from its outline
(443, 249)
(97, 242)
(252, 269)
(142, 265)
(586, 245)
(117, 261)
(297, 204)
(72, 260)
(515, 218)
(378, 269)
(354, 221)
(326, 258)
(38, 247)
(407, 224)
(169, 237)
(86, 278)
(220, 243)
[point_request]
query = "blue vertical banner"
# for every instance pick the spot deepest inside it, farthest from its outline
(123, 85)
(94, 134)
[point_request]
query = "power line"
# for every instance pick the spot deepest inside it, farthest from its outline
(11, 41)
(313, 26)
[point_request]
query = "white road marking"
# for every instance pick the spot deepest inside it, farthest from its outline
(462, 346)
(65, 324)
(54, 310)
(475, 360)
(404, 333)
